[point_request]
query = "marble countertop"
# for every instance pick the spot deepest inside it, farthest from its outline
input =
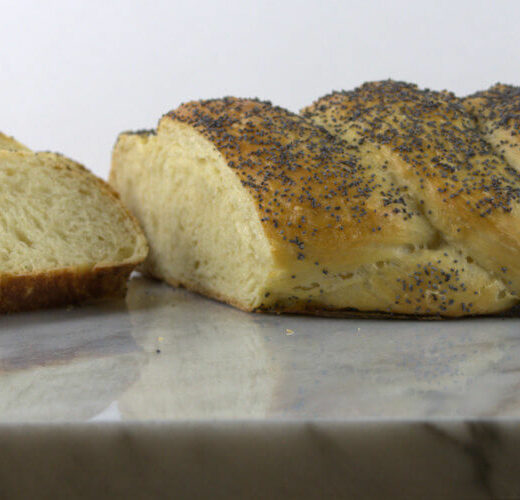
(286, 405)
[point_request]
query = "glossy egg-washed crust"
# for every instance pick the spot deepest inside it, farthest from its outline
(52, 288)
(437, 153)
(314, 197)
(319, 203)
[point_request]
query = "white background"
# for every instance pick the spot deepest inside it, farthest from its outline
(76, 73)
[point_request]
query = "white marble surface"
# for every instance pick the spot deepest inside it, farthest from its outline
(199, 398)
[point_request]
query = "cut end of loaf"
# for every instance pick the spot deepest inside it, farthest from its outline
(205, 232)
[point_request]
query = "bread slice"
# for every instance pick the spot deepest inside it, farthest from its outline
(66, 236)
(256, 206)
(497, 111)
(7, 142)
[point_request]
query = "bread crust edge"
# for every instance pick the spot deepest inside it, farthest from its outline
(62, 287)
(301, 310)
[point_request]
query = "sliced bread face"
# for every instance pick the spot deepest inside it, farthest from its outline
(66, 236)
(253, 205)
(205, 232)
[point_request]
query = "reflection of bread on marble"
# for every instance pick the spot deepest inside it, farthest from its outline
(74, 391)
(49, 374)
(66, 236)
(220, 371)
(251, 204)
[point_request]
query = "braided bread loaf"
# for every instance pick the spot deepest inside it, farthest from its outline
(385, 200)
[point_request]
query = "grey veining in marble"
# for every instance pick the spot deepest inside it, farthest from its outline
(288, 405)
(262, 460)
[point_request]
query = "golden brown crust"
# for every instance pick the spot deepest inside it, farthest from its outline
(313, 194)
(497, 111)
(499, 106)
(435, 148)
(433, 137)
(61, 287)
